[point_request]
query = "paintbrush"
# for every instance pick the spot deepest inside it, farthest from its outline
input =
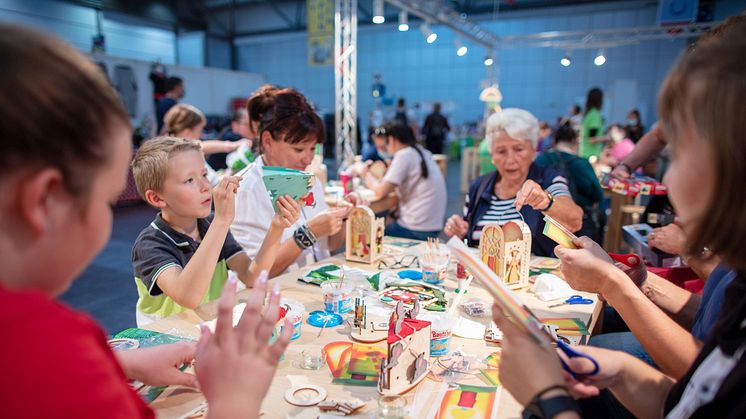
(322, 329)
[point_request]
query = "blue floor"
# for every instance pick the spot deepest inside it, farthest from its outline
(106, 289)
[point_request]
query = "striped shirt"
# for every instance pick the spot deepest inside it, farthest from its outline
(503, 210)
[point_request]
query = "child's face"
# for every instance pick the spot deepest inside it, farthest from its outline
(83, 232)
(186, 190)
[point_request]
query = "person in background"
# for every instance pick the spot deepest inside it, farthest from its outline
(238, 130)
(574, 117)
(435, 130)
(187, 122)
(582, 181)
(518, 189)
(418, 183)
(592, 126)
(57, 193)
(701, 108)
(174, 93)
(618, 148)
(545, 137)
(289, 130)
(634, 127)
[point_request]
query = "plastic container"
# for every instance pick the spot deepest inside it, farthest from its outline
(441, 329)
(434, 269)
(295, 312)
(337, 299)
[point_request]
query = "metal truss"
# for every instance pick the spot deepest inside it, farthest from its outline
(345, 79)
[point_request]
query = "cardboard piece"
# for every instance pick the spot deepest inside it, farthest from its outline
(364, 235)
(280, 181)
(506, 250)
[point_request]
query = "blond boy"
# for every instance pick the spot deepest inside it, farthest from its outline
(181, 259)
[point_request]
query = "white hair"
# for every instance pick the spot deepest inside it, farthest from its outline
(517, 123)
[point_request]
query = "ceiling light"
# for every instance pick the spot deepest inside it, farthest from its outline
(403, 21)
(488, 61)
(378, 12)
(429, 35)
(600, 58)
(461, 49)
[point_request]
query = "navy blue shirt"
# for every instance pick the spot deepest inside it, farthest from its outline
(164, 105)
(713, 297)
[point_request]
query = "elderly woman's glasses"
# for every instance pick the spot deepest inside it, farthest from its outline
(406, 261)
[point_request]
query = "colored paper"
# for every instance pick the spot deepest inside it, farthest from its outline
(558, 233)
(472, 402)
(280, 181)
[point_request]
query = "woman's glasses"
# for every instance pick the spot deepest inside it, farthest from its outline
(406, 261)
(380, 131)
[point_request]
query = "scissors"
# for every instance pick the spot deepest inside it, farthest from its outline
(571, 353)
(575, 299)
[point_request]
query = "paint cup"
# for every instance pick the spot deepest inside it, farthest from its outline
(441, 329)
(312, 358)
(346, 179)
(392, 407)
(294, 311)
(434, 267)
(337, 296)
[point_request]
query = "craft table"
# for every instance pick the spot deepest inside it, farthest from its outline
(176, 401)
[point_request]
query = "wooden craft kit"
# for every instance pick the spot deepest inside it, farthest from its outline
(506, 250)
(364, 235)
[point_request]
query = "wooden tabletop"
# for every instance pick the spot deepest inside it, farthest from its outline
(177, 401)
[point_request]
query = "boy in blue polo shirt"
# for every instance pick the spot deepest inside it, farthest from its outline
(181, 259)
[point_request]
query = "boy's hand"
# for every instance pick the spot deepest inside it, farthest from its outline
(289, 212)
(224, 197)
(235, 365)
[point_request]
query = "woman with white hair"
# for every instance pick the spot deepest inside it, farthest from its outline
(518, 189)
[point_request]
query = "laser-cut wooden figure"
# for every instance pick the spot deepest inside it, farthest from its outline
(408, 358)
(507, 251)
(364, 235)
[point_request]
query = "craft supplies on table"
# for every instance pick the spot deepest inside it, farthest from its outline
(434, 262)
(294, 311)
(441, 330)
(337, 296)
(575, 299)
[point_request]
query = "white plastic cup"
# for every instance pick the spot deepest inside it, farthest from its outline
(337, 297)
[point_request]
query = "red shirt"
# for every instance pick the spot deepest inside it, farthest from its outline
(56, 363)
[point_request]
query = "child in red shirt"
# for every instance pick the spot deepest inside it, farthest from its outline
(66, 143)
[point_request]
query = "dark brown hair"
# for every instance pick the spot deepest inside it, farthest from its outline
(290, 118)
(403, 134)
(594, 100)
(707, 90)
(260, 102)
(58, 108)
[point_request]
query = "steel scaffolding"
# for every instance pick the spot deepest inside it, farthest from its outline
(345, 79)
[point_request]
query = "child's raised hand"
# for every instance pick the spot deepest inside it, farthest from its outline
(224, 197)
(289, 212)
(235, 365)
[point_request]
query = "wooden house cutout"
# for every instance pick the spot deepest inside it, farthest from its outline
(408, 358)
(364, 235)
(507, 251)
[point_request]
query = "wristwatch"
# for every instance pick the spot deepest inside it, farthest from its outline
(551, 202)
(548, 408)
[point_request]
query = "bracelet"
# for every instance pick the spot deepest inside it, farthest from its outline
(304, 237)
(551, 202)
(550, 388)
